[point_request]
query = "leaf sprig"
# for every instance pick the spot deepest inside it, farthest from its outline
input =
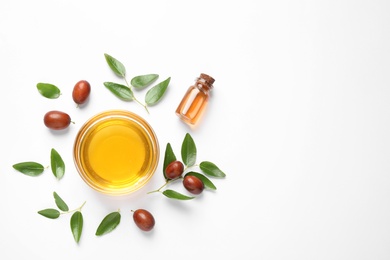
(76, 221)
(126, 93)
(188, 157)
(34, 169)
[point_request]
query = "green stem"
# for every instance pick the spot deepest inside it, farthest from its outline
(135, 99)
(169, 181)
(146, 108)
(78, 209)
(165, 184)
(82, 205)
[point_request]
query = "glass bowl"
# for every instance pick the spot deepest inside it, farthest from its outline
(116, 152)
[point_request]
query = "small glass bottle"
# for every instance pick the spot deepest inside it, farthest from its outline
(194, 102)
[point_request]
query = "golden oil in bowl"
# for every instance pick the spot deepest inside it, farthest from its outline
(116, 152)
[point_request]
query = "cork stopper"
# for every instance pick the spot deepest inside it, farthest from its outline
(208, 80)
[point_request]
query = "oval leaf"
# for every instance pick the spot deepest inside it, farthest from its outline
(76, 225)
(48, 90)
(176, 195)
(168, 158)
(207, 183)
(57, 164)
(109, 223)
(60, 202)
(211, 169)
(116, 66)
(156, 93)
(29, 168)
(50, 213)
(143, 81)
(188, 150)
(121, 91)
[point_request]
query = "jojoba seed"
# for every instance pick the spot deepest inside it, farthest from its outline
(81, 92)
(193, 184)
(143, 219)
(56, 120)
(174, 170)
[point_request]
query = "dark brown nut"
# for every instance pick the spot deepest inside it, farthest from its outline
(56, 120)
(193, 184)
(81, 92)
(144, 219)
(174, 169)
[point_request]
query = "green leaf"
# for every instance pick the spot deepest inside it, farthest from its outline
(169, 157)
(121, 91)
(176, 195)
(206, 181)
(116, 66)
(76, 225)
(57, 164)
(50, 213)
(156, 93)
(211, 169)
(60, 202)
(29, 168)
(143, 81)
(48, 90)
(109, 223)
(188, 150)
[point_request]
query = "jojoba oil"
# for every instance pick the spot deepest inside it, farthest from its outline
(116, 152)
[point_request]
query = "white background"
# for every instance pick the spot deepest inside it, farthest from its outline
(299, 120)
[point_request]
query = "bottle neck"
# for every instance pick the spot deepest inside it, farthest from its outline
(203, 85)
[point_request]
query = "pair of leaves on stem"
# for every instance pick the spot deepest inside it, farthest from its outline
(76, 221)
(108, 224)
(139, 82)
(35, 169)
(188, 156)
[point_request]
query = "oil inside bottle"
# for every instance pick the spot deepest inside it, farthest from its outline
(192, 106)
(194, 102)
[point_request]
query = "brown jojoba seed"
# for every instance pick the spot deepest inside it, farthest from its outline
(143, 219)
(193, 184)
(81, 92)
(56, 120)
(174, 170)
